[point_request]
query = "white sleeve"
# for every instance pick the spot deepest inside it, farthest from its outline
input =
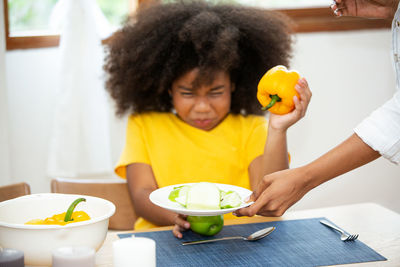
(381, 130)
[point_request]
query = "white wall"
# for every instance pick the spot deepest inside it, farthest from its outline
(350, 74)
(4, 150)
(32, 90)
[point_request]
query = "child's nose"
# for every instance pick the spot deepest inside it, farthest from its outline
(202, 105)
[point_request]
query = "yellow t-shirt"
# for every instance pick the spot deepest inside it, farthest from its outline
(180, 153)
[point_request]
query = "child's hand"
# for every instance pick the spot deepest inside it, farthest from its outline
(283, 122)
(180, 225)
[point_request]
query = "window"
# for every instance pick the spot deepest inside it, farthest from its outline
(31, 17)
(27, 20)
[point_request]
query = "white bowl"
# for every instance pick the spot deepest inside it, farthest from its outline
(38, 241)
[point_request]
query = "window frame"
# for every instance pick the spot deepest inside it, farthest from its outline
(304, 20)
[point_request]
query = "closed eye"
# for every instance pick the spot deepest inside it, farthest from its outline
(186, 93)
(217, 91)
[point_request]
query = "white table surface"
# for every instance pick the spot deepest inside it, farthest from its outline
(377, 226)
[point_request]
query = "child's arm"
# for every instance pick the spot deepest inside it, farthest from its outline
(275, 157)
(141, 183)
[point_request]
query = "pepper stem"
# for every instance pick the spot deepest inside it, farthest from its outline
(71, 208)
(274, 99)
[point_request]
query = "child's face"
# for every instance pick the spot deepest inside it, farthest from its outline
(204, 107)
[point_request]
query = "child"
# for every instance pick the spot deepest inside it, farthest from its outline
(187, 73)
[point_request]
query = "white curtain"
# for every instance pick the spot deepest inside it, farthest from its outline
(80, 142)
(4, 149)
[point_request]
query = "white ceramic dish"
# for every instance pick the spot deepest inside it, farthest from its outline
(160, 198)
(38, 241)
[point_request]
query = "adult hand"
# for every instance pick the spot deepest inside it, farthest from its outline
(276, 192)
(180, 225)
(365, 8)
(283, 122)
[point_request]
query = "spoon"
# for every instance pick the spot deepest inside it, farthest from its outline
(253, 237)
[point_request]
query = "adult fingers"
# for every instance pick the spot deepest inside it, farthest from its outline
(271, 213)
(278, 207)
(252, 210)
(244, 211)
(260, 188)
(339, 8)
(266, 205)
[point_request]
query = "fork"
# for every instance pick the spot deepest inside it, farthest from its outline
(343, 235)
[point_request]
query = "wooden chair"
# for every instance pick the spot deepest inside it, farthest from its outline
(114, 190)
(14, 190)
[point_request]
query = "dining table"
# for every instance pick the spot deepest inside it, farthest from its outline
(378, 228)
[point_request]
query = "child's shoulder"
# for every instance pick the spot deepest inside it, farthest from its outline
(149, 116)
(248, 120)
(150, 119)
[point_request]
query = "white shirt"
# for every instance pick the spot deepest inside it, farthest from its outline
(381, 130)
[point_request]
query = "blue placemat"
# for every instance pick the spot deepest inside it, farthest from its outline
(293, 243)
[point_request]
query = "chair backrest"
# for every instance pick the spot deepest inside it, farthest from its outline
(114, 190)
(14, 190)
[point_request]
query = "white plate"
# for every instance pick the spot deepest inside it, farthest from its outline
(160, 198)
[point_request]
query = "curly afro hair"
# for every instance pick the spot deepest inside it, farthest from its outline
(164, 41)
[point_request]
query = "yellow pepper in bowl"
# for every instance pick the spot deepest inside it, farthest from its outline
(276, 90)
(64, 218)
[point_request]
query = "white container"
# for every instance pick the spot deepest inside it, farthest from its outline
(38, 241)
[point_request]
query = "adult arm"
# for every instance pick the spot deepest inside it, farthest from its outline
(279, 191)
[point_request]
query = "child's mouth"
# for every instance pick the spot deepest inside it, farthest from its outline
(203, 124)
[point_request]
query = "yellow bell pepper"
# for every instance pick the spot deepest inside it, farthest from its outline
(64, 218)
(276, 90)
